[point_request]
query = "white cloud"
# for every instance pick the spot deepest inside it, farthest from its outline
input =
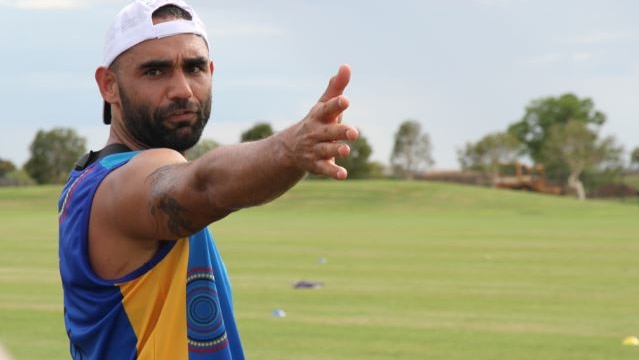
(607, 37)
(581, 57)
(58, 80)
(558, 59)
(492, 3)
(237, 30)
(43, 4)
(543, 60)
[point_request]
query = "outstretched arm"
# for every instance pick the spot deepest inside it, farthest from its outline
(184, 197)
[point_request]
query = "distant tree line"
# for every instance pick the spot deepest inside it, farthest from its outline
(53, 154)
(563, 134)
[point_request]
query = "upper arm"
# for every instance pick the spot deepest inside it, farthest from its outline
(152, 197)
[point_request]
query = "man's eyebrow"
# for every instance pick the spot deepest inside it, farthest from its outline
(163, 64)
(155, 64)
(196, 61)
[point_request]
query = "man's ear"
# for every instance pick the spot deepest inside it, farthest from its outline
(105, 78)
(211, 66)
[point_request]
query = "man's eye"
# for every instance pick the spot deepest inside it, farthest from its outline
(153, 72)
(195, 69)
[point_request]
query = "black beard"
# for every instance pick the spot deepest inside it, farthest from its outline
(150, 127)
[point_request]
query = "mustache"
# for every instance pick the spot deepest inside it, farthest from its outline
(176, 106)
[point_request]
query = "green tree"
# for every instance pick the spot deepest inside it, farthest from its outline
(53, 154)
(6, 167)
(412, 150)
(257, 132)
(491, 151)
(581, 149)
(377, 170)
(542, 114)
(357, 161)
(11, 176)
(16, 178)
(634, 158)
(202, 147)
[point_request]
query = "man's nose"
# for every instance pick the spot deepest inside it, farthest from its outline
(180, 87)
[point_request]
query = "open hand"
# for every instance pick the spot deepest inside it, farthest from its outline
(314, 142)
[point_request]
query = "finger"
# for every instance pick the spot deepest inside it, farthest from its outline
(337, 84)
(331, 150)
(330, 111)
(328, 168)
(338, 132)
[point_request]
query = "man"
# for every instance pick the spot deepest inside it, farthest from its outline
(141, 275)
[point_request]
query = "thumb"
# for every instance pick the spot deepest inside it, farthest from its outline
(337, 84)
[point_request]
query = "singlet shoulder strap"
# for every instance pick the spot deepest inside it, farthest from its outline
(93, 156)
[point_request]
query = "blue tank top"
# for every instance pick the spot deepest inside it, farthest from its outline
(176, 306)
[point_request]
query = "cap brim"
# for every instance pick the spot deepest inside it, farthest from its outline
(106, 113)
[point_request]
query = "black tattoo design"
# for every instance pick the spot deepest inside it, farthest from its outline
(165, 207)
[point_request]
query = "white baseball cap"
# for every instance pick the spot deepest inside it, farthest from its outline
(134, 24)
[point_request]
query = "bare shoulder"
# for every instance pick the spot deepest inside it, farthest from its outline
(122, 200)
(131, 181)
(148, 161)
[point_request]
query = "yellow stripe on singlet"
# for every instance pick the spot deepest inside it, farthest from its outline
(156, 305)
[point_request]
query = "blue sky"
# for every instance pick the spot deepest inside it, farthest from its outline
(462, 68)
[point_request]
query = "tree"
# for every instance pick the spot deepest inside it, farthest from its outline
(634, 158)
(357, 161)
(202, 147)
(53, 154)
(490, 152)
(580, 149)
(412, 150)
(6, 167)
(377, 170)
(542, 114)
(11, 176)
(16, 178)
(257, 132)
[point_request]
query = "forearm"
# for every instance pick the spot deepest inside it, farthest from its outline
(247, 174)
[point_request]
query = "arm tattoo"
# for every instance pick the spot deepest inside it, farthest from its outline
(164, 205)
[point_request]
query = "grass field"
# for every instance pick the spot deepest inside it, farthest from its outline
(411, 270)
(632, 180)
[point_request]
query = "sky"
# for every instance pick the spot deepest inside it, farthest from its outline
(461, 68)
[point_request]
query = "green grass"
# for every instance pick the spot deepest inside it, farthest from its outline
(632, 180)
(30, 296)
(412, 270)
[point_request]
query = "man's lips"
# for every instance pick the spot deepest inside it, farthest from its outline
(181, 116)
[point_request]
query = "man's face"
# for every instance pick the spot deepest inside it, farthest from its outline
(165, 91)
(155, 127)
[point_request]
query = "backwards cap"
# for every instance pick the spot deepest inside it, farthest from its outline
(134, 24)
